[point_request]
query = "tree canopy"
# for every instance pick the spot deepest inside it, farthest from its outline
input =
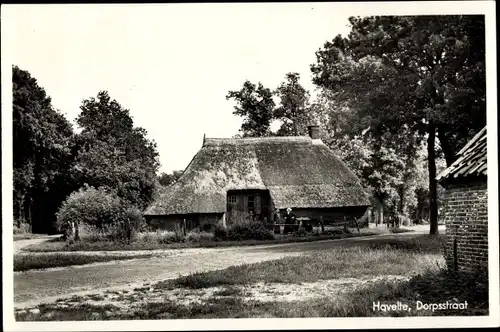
(293, 110)
(113, 153)
(400, 74)
(166, 179)
(256, 105)
(42, 139)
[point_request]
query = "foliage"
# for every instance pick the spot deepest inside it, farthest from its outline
(293, 110)
(421, 74)
(167, 179)
(42, 140)
(113, 153)
(255, 104)
(90, 206)
(249, 231)
(220, 233)
(26, 262)
(21, 227)
(199, 236)
(159, 237)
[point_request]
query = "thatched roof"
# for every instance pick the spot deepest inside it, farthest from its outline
(298, 172)
(470, 162)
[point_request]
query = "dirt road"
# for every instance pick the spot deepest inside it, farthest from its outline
(33, 287)
(19, 244)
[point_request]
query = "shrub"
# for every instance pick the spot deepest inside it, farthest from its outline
(160, 237)
(89, 206)
(220, 233)
(208, 228)
(100, 215)
(197, 236)
(249, 231)
(91, 233)
(21, 227)
(302, 232)
(337, 231)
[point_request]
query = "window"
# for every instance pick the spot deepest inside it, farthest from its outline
(232, 199)
(251, 204)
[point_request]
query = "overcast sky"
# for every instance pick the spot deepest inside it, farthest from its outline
(172, 65)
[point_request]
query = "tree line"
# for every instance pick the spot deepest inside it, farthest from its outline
(397, 99)
(53, 160)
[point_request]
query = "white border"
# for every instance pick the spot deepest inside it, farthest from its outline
(359, 8)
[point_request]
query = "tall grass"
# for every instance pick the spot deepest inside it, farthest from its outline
(330, 264)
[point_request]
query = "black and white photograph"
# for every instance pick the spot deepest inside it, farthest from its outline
(215, 165)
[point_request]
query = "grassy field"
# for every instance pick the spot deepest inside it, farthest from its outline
(26, 262)
(59, 245)
(360, 276)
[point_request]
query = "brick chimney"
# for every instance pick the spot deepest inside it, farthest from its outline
(313, 131)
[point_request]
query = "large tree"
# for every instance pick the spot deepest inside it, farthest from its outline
(421, 73)
(256, 105)
(113, 153)
(42, 157)
(293, 110)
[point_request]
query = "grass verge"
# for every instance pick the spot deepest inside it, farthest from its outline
(380, 257)
(59, 245)
(26, 262)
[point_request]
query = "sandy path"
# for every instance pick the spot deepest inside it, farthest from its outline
(18, 245)
(34, 287)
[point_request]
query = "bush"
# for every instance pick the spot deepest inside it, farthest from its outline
(302, 232)
(208, 228)
(220, 233)
(197, 236)
(92, 233)
(160, 237)
(21, 227)
(89, 206)
(249, 231)
(99, 215)
(337, 231)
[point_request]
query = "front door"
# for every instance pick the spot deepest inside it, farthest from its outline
(243, 205)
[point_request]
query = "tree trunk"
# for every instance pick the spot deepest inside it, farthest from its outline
(431, 151)
(449, 154)
(380, 212)
(401, 199)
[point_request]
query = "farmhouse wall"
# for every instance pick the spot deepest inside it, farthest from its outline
(466, 216)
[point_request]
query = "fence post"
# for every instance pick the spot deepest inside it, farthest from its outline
(357, 225)
(184, 227)
(322, 224)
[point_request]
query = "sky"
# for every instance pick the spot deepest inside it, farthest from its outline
(170, 65)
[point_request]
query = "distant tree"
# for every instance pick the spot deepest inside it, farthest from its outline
(293, 111)
(425, 72)
(255, 104)
(42, 140)
(167, 179)
(113, 153)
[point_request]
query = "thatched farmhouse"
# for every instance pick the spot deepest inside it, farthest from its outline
(466, 206)
(232, 179)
